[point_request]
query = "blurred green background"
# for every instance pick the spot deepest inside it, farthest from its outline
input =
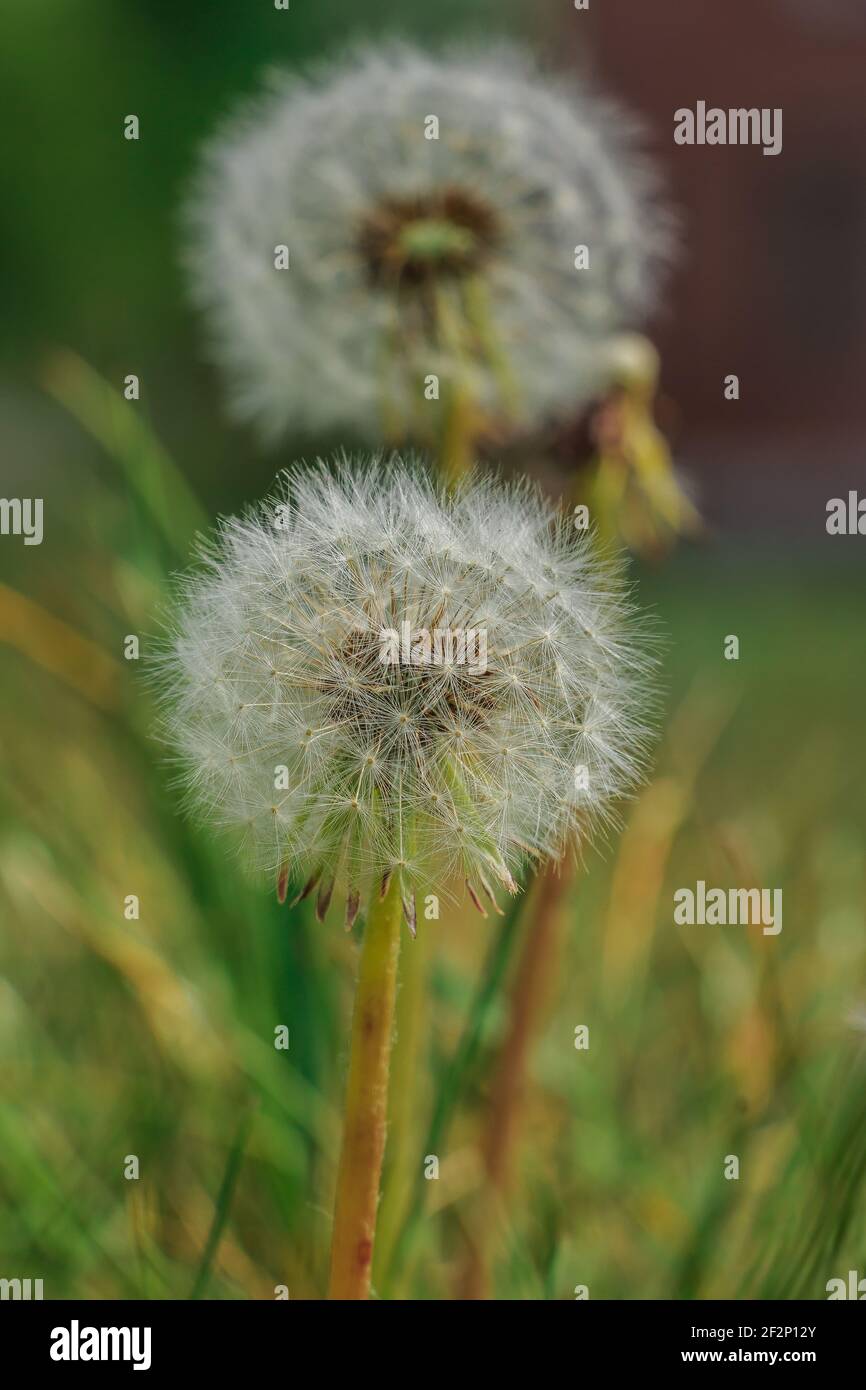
(154, 1037)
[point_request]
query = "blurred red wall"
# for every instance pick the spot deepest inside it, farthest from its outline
(771, 284)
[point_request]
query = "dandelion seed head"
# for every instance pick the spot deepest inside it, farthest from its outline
(292, 728)
(410, 255)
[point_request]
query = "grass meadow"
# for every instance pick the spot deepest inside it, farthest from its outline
(154, 1037)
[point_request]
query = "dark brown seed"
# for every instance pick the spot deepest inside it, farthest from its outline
(323, 902)
(475, 898)
(489, 891)
(409, 914)
(308, 887)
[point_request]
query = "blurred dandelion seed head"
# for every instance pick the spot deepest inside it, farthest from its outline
(430, 770)
(411, 254)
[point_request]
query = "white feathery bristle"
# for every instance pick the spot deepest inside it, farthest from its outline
(294, 723)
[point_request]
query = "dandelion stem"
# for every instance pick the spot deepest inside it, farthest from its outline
(404, 1130)
(457, 445)
(479, 314)
(532, 978)
(366, 1098)
(460, 414)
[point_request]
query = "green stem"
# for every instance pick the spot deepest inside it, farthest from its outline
(366, 1099)
(504, 1111)
(479, 315)
(404, 1157)
(460, 414)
